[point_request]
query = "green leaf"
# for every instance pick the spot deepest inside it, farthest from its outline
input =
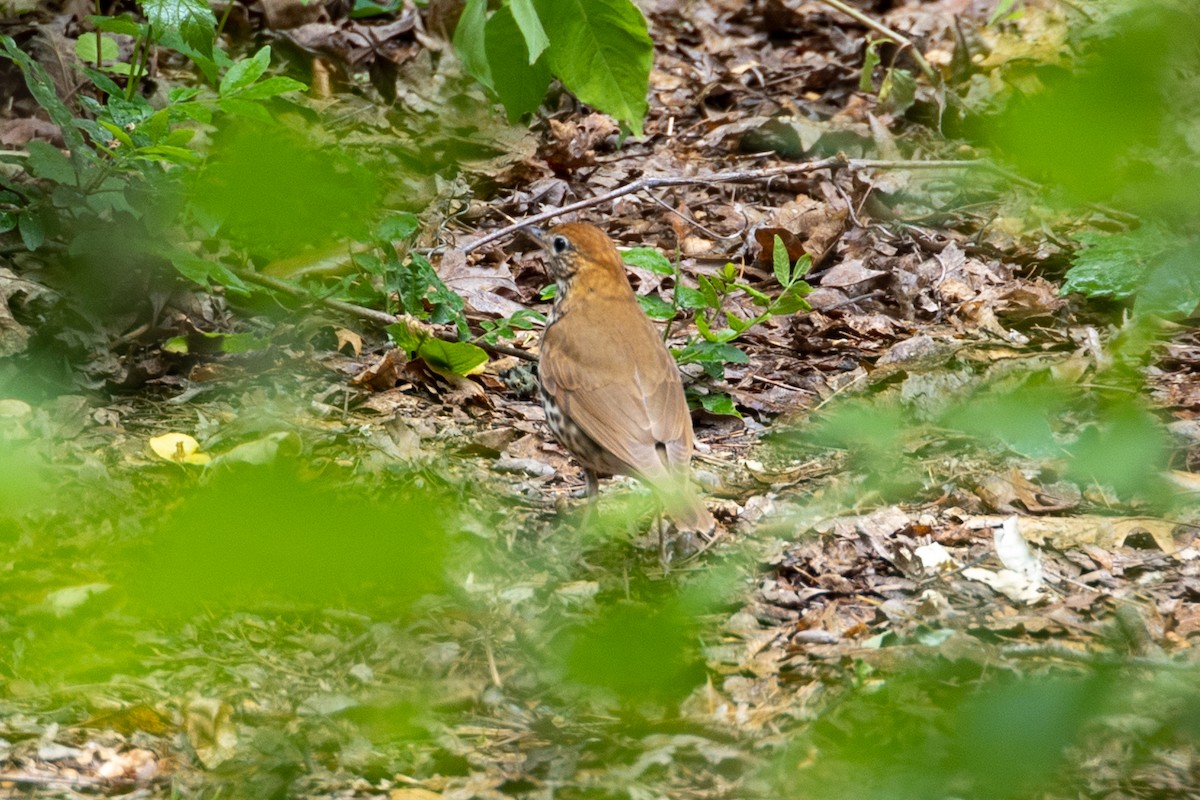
(719, 404)
(47, 161)
(42, 88)
(405, 338)
(792, 300)
(1001, 9)
(168, 153)
(365, 8)
(118, 133)
(103, 82)
(123, 24)
(1173, 285)
(398, 227)
(181, 94)
(725, 335)
(711, 352)
(1115, 265)
(444, 358)
(898, 91)
(531, 28)
(801, 267)
(655, 307)
(469, 41)
(191, 20)
(870, 62)
(708, 290)
(32, 228)
(195, 111)
(519, 85)
(759, 298)
(526, 319)
(179, 137)
(206, 273)
(648, 258)
(740, 325)
(690, 298)
(245, 72)
(271, 87)
(602, 53)
(598, 652)
(8, 221)
(85, 48)
(1137, 435)
(452, 358)
(781, 262)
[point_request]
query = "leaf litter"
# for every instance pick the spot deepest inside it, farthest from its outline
(928, 290)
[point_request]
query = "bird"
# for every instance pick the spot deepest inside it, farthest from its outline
(612, 393)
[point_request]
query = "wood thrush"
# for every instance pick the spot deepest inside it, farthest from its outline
(612, 393)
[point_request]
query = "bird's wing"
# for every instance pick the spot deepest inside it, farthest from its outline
(625, 407)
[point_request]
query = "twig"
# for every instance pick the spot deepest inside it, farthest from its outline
(737, 176)
(73, 781)
(371, 314)
(880, 28)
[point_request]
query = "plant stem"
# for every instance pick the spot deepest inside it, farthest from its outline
(135, 68)
(99, 34)
(884, 30)
(224, 18)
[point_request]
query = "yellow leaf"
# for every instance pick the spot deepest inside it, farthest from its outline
(178, 447)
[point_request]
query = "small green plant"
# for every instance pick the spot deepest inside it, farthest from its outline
(524, 320)
(122, 176)
(897, 90)
(408, 281)
(599, 49)
(713, 348)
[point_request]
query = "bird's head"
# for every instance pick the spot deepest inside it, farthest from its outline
(576, 248)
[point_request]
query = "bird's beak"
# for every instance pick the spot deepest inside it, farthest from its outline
(536, 234)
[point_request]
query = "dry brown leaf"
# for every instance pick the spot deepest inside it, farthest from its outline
(477, 285)
(348, 337)
(384, 374)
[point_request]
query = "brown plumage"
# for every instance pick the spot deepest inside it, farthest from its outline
(612, 392)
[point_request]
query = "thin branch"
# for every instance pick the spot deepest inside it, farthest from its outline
(371, 314)
(737, 176)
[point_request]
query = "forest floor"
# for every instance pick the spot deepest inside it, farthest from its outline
(383, 585)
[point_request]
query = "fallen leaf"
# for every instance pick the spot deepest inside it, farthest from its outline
(208, 723)
(178, 447)
(349, 337)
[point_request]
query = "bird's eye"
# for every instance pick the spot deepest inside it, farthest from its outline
(560, 244)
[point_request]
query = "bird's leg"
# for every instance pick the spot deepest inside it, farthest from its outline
(593, 496)
(664, 555)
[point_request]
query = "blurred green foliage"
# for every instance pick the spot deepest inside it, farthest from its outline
(1118, 126)
(248, 538)
(947, 730)
(271, 193)
(1099, 434)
